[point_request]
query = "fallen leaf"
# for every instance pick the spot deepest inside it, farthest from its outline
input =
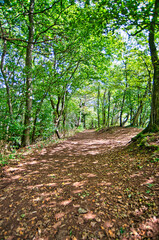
(108, 224)
(112, 234)
(80, 220)
(82, 210)
(56, 225)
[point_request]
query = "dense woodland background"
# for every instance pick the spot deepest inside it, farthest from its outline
(69, 64)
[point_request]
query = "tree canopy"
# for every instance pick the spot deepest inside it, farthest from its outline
(67, 64)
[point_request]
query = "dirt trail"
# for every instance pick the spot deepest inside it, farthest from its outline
(90, 186)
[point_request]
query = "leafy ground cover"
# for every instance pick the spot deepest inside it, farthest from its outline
(94, 185)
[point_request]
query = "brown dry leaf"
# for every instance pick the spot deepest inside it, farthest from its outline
(119, 196)
(93, 224)
(102, 228)
(101, 235)
(56, 225)
(112, 234)
(80, 220)
(108, 224)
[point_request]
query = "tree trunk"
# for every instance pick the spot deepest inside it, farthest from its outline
(125, 120)
(121, 110)
(139, 110)
(108, 119)
(154, 117)
(58, 112)
(9, 102)
(123, 101)
(28, 65)
(112, 120)
(36, 116)
(80, 114)
(136, 117)
(98, 103)
(56, 115)
(104, 108)
(64, 122)
(57, 133)
(84, 114)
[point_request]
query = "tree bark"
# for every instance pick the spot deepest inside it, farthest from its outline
(36, 117)
(80, 114)
(9, 102)
(98, 103)
(108, 118)
(139, 110)
(28, 65)
(124, 95)
(84, 114)
(154, 117)
(136, 117)
(104, 108)
(125, 120)
(58, 110)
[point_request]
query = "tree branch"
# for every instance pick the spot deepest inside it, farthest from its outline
(137, 32)
(46, 9)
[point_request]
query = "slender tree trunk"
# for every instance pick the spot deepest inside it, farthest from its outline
(80, 113)
(124, 95)
(84, 114)
(36, 117)
(64, 122)
(56, 115)
(126, 119)
(154, 117)
(121, 110)
(140, 119)
(112, 120)
(84, 121)
(58, 112)
(98, 105)
(108, 118)
(104, 108)
(9, 102)
(57, 133)
(27, 120)
(136, 117)
(139, 110)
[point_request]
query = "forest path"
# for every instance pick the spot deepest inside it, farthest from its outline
(91, 186)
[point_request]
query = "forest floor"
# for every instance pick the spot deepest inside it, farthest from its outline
(93, 185)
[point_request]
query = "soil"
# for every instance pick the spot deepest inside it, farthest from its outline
(94, 185)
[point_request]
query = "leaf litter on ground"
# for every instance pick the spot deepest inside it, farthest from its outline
(93, 189)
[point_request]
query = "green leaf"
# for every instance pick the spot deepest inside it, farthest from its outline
(148, 191)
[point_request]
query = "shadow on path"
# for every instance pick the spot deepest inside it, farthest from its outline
(87, 187)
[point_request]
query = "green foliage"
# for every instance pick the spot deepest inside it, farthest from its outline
(80, 128)
(155, 160)
(3, 160)
(77, 46)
